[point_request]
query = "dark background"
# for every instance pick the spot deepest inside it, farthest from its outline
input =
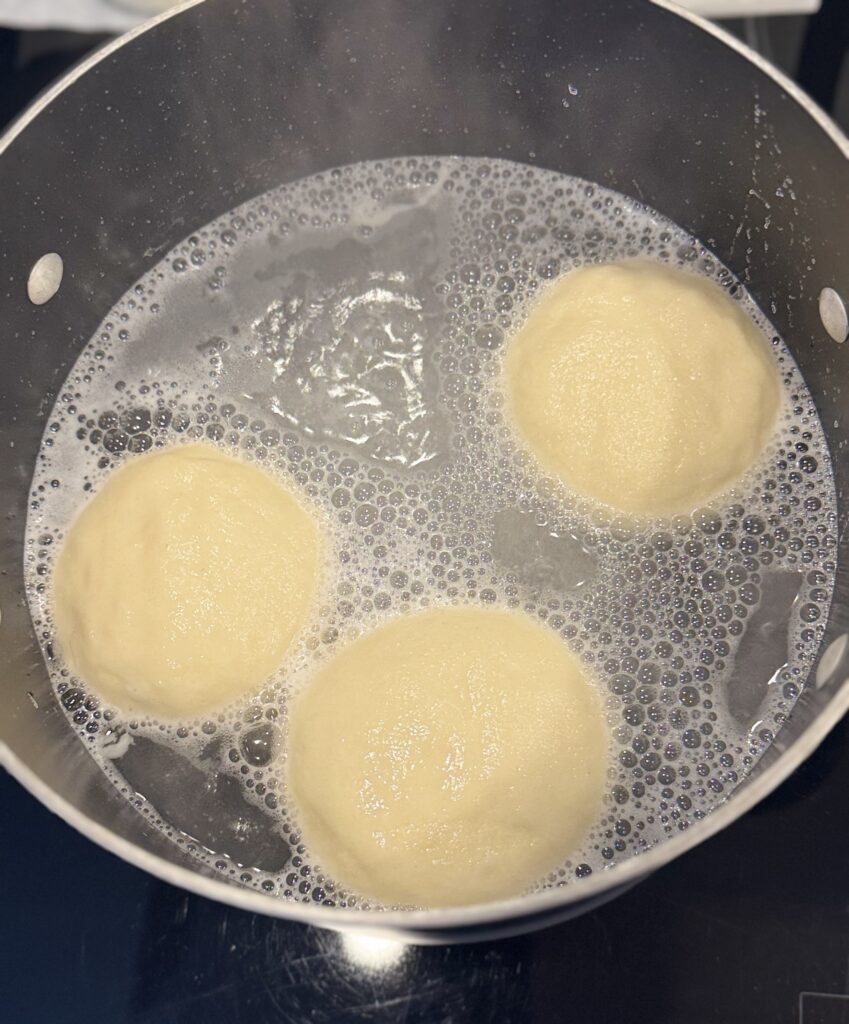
(752, 927)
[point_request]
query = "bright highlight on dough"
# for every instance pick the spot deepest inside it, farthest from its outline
(642, 386)
(182, 583)
(449, 757)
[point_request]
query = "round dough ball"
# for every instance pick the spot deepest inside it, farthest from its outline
(182, 583)
(449, 757)
(642, 386)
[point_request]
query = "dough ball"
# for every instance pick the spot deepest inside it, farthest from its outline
(182, 583)
(451, 756)
(642, 386)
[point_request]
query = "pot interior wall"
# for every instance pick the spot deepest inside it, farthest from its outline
(227, 100)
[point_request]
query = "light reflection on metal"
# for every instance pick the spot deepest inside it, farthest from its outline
(831, 658)
(372, 952)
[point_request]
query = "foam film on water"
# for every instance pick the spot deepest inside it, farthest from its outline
(345, 332)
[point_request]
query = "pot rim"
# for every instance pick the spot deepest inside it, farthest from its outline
(413, 924)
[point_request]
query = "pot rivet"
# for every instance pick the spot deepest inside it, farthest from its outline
(832, 657)
(45, 278)
(833, 315)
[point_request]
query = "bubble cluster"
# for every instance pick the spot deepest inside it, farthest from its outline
(346, 331)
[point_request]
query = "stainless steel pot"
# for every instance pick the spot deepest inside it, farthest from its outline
(194, 113)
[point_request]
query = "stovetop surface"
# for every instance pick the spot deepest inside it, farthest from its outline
(753, 926)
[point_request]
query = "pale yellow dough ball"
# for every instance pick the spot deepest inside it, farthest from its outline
(182, 583)
(452, 756)
(641, 386)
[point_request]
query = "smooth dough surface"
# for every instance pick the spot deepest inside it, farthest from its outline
(451, 756)
(182, 583)
(642, 386)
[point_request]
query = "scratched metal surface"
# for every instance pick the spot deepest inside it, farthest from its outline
(735, 931)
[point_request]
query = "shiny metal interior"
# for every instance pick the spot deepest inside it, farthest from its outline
(203, 109)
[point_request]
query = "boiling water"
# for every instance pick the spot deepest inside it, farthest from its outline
(345, 331)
